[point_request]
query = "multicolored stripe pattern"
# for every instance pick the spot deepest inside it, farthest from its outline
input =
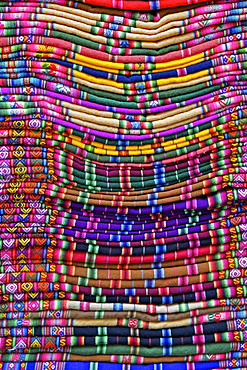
(123, 185)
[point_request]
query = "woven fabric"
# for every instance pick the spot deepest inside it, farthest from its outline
(123, 186)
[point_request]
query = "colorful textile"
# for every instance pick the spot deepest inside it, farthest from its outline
(123, 186)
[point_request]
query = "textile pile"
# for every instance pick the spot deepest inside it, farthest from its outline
(123, 155)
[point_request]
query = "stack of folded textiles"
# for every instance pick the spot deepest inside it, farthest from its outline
(123, 177)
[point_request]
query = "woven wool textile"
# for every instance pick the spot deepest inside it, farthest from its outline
(123, 185)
